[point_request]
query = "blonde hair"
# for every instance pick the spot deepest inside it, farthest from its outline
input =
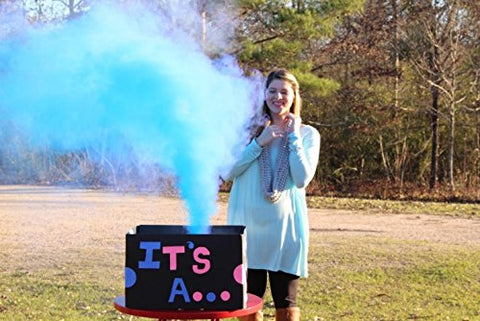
(285, 75)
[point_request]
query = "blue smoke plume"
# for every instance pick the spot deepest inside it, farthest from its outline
(114, 78)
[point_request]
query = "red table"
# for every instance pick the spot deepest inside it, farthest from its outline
(254, 304)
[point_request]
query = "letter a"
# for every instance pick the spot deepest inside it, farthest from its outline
(178, 288)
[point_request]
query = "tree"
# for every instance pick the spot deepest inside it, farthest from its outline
(437, 43)
(292, 34)
(44, 11)
(364, 57)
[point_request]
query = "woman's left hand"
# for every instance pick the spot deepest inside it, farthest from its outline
(293, 123)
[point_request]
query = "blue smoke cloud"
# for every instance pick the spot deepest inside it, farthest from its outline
(117, 77)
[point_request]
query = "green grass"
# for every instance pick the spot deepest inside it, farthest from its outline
(351, 278)
(371, 278)
(42, 295)
(396, 207)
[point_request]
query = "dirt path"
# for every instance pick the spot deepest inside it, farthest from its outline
(42, 225)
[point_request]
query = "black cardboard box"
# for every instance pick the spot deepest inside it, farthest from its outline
(169, 269)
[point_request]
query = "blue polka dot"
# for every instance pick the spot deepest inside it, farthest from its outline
(191, 245)
(130, 277)
(211, 297)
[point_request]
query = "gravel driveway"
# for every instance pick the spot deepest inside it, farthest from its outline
(43, 226)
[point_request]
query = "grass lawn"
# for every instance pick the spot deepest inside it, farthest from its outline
(396, 207)
(371, 278)
(352, 277)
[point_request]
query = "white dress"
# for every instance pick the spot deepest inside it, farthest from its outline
(277, 233)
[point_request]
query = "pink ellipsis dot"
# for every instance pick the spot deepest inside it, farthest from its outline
(225, 295)
(197, 296)
(238, 274)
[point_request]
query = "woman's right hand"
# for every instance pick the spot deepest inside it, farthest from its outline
(269, 134)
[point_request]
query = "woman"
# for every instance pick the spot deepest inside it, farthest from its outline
(268, 196)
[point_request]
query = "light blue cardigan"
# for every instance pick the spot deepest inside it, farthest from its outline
(277, 234)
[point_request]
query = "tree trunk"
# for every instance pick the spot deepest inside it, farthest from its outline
(451, 147)
(434, 151)
(399, 152)
(384, 158)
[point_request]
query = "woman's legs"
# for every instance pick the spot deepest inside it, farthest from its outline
(257, 282)
(284, 288)
(257, 285)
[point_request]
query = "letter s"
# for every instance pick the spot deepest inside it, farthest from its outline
(206, 262)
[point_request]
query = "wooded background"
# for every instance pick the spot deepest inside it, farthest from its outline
(392, 86)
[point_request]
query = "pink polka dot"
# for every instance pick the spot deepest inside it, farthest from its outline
(197, 296)
(225, 295)
(238, 274)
